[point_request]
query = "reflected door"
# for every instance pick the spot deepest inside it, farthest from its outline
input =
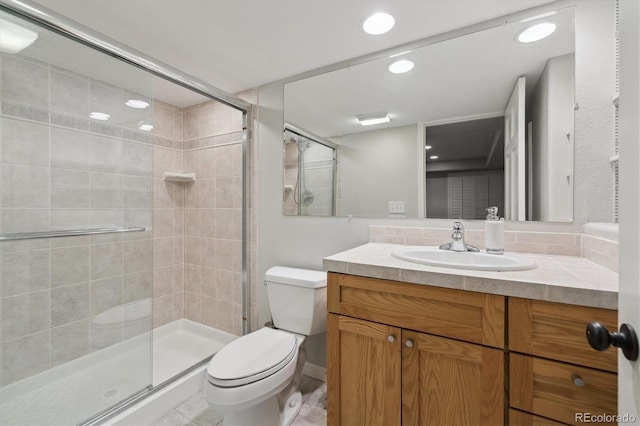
(515, 154)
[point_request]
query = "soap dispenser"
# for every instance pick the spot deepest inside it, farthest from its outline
(494, 232)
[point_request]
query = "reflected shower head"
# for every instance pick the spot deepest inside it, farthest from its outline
(293, 140)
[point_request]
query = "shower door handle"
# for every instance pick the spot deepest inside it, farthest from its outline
(68, 233)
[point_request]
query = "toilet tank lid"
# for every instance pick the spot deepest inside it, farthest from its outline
(295, 276)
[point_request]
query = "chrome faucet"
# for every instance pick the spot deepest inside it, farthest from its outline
(457, 240)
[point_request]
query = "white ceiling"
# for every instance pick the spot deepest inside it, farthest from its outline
(240, 44)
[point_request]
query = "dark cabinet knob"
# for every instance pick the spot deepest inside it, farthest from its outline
(600, 338)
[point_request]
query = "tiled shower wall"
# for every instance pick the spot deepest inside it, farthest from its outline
(61, 170)
(213, 216)
(198, 225)
(168, 215)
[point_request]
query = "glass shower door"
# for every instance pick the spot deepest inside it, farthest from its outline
(310, 168)
(75, 245)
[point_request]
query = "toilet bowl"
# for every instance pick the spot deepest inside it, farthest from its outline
(255, 379)
(252, 370)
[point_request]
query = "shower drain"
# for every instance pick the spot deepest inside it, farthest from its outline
(110, 393)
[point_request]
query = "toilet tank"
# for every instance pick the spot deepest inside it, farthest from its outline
(298, 299)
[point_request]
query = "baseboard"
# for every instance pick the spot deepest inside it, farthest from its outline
(315, 371)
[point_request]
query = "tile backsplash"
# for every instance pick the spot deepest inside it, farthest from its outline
(598, 250)
(601, 251)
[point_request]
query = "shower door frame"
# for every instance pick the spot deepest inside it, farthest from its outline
(72, 30)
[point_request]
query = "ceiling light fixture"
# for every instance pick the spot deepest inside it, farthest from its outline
(536, 32)
(99, 116)
(378, 23)
(137, 103)
(401, 66)
(434, 157)
(370, 119)
(14, 38)
(428, 147)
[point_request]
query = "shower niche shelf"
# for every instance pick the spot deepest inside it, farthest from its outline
(179, 177)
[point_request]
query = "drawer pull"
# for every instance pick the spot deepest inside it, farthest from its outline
(577, 380)
(391, 338)
(409, 343)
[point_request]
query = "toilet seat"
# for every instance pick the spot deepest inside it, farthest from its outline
(252, 357)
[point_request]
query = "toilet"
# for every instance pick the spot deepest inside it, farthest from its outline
(255, 379)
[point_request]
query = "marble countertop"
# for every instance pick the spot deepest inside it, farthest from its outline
(563, 279)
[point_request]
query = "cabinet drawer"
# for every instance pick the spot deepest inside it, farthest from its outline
(463, 315)
(552, 389)
(557, 331)
(520, 418)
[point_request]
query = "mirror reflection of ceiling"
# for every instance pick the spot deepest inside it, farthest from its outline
(466, 77)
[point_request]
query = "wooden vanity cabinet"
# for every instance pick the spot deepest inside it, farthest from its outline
(409, 354)
(553, 372)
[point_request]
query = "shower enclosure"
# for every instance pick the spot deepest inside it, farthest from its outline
(309, 173)
(122, 222)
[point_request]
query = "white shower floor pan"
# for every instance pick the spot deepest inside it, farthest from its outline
(69, 393)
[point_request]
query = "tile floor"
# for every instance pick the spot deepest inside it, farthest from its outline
(196, 412)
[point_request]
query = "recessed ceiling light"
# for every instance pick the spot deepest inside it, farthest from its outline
(536, 32)
(378, 23)
(428, 147)
(401, 66)
(434, 157)
(370, 119)
(137, 103)
(99, 116)
(14, 38)
(146, 127)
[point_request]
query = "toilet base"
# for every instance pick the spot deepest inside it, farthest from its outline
(265, 413)
(268, 412)
(291, 408)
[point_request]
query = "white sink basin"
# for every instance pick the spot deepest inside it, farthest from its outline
(480, 261)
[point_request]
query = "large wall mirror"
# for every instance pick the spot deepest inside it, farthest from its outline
(480, 120)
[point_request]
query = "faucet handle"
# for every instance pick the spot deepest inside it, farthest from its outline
(458, 231)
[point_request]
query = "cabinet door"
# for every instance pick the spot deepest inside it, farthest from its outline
(363, 380)
(448, 382)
